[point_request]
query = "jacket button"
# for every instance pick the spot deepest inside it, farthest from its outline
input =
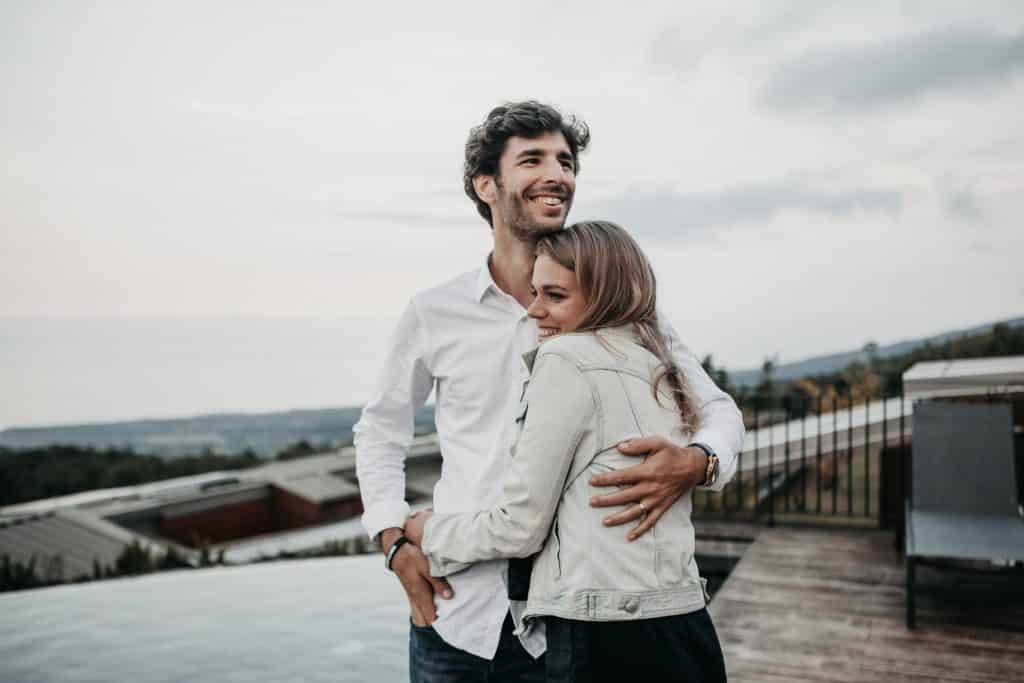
(631, 605)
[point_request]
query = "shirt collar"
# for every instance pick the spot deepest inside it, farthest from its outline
(484, 281)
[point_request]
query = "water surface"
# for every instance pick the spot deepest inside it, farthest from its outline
(334, 619)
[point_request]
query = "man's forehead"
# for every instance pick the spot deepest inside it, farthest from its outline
(551, 141)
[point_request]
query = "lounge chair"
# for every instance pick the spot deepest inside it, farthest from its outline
(964, 502)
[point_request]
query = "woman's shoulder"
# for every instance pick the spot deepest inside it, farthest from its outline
(574, 346)
(603, 346)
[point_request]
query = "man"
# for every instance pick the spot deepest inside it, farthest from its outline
(465, 339)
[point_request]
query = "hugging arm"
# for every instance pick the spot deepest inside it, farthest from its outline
(669, 470)
(560, 404)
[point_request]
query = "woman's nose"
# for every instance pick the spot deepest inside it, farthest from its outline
(535, 310)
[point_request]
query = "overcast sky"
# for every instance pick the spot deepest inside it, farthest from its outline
(804, 175)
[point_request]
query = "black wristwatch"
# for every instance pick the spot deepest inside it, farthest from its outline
(711, 474)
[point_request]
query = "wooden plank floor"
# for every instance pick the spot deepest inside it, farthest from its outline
(828, 605)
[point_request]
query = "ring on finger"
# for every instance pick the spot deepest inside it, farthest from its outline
(643, 508)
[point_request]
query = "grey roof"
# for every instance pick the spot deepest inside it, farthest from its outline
(116, 500)
(969, 377)
(319, 488)
(75, 537)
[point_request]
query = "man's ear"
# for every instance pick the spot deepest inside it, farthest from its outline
(485, 188)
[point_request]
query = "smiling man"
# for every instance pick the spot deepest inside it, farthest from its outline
(465, 339)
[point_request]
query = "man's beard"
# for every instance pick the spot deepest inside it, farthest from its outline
(521, 224)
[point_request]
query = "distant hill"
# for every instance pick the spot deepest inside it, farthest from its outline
(266, 434)
(820, 365)
(269, 433)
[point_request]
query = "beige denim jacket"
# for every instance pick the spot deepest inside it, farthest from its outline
(588, 392)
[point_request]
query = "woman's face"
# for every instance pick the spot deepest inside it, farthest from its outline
(558, 304)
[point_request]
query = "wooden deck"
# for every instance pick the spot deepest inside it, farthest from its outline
(828, 605)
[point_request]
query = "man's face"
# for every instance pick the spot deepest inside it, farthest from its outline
(535, 185)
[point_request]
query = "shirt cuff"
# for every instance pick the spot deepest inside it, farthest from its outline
(438, 567)
(381, 516)
(725, 455)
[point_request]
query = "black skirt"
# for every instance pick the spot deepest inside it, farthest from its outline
(684, 647)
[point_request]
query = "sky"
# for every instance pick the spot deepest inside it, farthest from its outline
(805, 176)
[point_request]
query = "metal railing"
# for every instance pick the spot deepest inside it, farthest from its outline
(818, 460)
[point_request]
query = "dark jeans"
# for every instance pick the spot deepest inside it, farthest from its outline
(432, 660)
(677, 648)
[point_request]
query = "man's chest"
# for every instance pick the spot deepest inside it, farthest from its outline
(478, 362)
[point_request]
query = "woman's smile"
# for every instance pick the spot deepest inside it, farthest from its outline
(558, 305)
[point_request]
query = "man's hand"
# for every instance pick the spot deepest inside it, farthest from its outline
(415, 524)
(412, 569)
(667, 472)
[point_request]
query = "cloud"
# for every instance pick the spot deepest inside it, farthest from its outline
(964, 204)
(409, 217)
(666, 213)
(874, 74)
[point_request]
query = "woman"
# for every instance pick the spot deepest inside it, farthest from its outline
(602, 375)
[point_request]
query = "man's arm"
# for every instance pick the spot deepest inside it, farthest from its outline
(669, 470)
(382, 438)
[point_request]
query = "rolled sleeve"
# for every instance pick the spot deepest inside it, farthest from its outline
(386, 427)
(721, 422)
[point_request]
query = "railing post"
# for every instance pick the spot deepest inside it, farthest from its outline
(817, 477)
(849, 458)
(835, 453)
(882, 468)
(757, 455)
(787, 408)
(867, 456)
(771, 466)
(803, 451)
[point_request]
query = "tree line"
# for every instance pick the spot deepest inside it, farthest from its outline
(864, 380)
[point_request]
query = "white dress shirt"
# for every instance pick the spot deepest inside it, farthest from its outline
(465, 339)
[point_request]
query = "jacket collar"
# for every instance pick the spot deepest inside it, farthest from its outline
(623, 333)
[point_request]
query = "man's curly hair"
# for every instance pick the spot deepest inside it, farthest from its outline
(528, 119)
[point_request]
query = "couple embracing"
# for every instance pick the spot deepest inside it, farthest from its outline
(565, 408)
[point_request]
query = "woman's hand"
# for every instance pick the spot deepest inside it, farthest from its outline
(654, 486)
(415, 524)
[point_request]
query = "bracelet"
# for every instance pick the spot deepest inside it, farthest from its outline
(399, 542)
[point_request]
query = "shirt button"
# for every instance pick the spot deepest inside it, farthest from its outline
(631, 605)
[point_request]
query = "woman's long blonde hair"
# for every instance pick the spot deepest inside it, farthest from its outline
(619, 288)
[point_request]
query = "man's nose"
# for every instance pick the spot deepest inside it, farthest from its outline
(554, 171)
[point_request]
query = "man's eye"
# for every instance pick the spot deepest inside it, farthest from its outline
(556, 296)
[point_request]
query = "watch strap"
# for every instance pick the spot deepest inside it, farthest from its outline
(711, 473)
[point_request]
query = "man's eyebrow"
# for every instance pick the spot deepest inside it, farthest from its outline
(532, 152)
